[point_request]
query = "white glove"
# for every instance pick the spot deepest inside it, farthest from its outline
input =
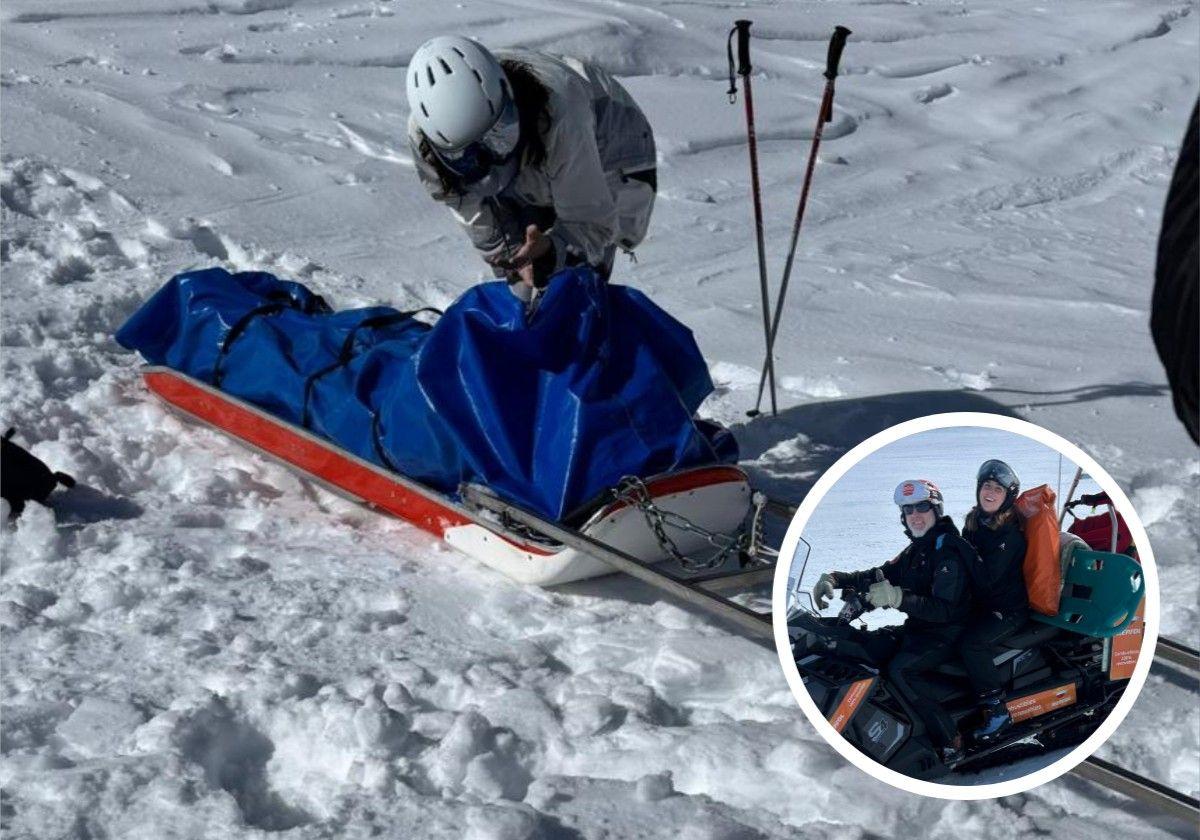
(824, 590)
(883, 594)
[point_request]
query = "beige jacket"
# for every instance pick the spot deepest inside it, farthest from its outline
(597, 137)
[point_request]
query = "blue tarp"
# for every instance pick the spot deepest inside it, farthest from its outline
(548, 410)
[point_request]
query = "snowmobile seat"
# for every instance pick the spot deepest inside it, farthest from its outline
(1030, 635)
(1100, 596)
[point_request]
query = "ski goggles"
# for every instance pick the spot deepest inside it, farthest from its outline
(473, 161)
(996, 471)
(919, 507)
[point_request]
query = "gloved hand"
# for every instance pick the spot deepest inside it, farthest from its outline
(883, 594)
(823, 591)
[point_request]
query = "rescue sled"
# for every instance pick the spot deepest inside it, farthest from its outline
(706, 520)
(1062, 674)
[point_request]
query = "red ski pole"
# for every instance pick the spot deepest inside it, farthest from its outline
(833, 58)
(742, 29)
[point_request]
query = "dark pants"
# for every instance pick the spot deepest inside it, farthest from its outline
(979, 644)
(920, 651)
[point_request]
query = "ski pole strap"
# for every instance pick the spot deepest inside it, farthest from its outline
(742, 29)
(347, 352)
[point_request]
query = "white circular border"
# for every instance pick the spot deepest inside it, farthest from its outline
(791, 541)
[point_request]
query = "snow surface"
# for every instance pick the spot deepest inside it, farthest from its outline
(199, 644)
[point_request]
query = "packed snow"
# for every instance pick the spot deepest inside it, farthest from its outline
(198, 643)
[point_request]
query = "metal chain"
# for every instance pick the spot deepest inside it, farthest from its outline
(632, 491)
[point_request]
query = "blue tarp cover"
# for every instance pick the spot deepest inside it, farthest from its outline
(548, 410)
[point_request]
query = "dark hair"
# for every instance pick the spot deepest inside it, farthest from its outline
(532, 100)
(533, 113)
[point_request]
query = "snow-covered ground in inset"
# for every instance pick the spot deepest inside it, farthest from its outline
(196, 643)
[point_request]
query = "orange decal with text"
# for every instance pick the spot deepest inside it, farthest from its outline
(850, 703)
(1125, 647)
(1033, 705)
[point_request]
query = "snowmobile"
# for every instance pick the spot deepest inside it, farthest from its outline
(1062, 674)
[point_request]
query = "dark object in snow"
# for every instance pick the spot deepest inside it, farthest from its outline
(24, 478)
(1175, 308)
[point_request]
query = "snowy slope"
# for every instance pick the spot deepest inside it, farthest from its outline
(199, 644)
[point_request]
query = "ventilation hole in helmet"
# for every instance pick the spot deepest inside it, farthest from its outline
(429, 73)
(445, 66)
(461, 54)
(491, 108)
(478, 78)
(445, 139)
(424, 110)
(416, 78)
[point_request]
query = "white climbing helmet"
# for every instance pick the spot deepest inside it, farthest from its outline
(459, 96)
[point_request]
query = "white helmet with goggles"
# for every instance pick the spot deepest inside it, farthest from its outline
(917, 495)
(462, 101)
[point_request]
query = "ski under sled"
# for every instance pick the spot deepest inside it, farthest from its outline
(676, 530)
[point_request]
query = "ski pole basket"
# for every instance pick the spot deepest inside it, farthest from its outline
(1100, 595)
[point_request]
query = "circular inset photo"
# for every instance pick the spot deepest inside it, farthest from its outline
(970, 606)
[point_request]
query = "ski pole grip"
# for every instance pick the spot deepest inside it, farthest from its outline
(836, 44)
(743, 46)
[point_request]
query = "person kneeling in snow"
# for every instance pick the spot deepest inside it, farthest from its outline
(928, 581)
(547, 162)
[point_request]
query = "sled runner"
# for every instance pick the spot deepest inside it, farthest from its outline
(714, 502)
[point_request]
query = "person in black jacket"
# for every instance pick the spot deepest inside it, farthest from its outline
(1175, 305)
(928, 582)
(1001, 603)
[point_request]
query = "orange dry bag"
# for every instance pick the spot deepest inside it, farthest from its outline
(1043, 572)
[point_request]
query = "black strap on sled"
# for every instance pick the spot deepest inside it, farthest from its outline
(377, 442)
(347, 352)
(277, 302)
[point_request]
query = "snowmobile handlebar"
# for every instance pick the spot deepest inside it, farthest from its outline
(852, 606)
(1090, 500)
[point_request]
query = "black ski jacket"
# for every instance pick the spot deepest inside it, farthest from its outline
(997, 579)
(1174, 307)
(932, 571)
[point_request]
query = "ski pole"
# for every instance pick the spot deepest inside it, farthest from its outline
(836, 43)
(742, 29)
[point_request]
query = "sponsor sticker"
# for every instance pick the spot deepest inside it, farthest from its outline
(850, 703)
